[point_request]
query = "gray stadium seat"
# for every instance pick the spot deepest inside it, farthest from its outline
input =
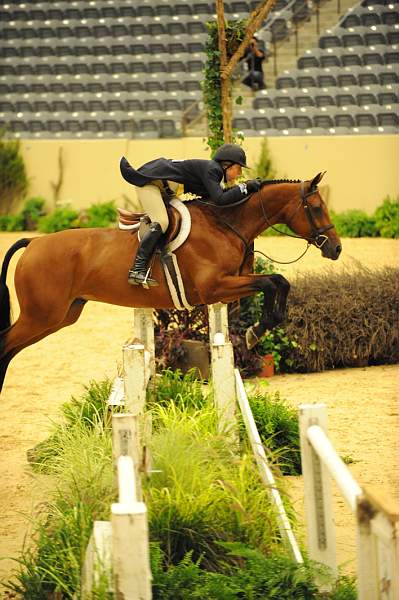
(262, 102)
(344, 120)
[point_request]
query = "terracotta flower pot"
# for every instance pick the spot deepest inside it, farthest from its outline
(268, 366)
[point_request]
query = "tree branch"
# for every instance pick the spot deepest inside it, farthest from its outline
(225, 86)
(254, 22)
(222, 42)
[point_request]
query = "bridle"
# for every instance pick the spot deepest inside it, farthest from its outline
(316, 236)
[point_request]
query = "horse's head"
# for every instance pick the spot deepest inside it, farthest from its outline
(311, 220)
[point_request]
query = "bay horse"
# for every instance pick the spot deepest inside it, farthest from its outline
(59, 272)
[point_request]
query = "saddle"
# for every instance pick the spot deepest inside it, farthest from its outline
(138, 221)
(175, 236)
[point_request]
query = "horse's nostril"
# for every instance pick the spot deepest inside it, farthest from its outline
(338, 249)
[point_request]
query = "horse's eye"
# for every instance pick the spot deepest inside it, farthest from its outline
(318, 211)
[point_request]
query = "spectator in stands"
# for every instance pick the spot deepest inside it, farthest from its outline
(254, 57)
(156, 180)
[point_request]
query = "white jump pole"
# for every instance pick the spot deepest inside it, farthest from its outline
(143, 332)
(126, 442)
(318, 499)
(98, 558)
(130, 549)
(265, 472)
(223, 379)
(135, 381)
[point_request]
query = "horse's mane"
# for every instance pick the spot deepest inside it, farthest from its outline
(273, 181)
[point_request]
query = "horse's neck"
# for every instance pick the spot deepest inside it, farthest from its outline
(250, 219)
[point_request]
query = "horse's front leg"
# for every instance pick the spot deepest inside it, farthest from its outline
(283, 288)
(231, 288)
(271, 316)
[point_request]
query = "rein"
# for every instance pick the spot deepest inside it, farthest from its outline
(316, 237)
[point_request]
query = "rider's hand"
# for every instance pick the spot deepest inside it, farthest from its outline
(253, 185)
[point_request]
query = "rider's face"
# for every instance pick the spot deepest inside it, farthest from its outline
(233, 172)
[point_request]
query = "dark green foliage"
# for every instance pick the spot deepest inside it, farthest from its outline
(387, 218)
(344, 319)
(254, 577)
(13, 177)
(32, 211)
(99, 215)
(60, 219)
(278, 428)
(11, 223)
(354, 223)
(277, 343)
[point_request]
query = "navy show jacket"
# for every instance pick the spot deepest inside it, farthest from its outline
(199, 177)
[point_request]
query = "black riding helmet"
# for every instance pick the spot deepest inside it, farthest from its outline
(231, 153)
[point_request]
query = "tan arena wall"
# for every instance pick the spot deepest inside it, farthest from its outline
(361, 170)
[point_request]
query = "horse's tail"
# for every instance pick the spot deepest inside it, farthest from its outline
(5, 308)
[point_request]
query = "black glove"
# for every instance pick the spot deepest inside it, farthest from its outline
(253, 185)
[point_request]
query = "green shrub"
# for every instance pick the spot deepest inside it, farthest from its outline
(207, 510)
(13, 177)
(32, 211)
(277, 423)
(11, 223)
(186, 390)
(99, 215)
(387, 218)
(354, 223)
(60, 219)
(254, 576)
(202, 492)
(277, 343)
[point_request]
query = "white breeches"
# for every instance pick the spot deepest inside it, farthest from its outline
(153, 205)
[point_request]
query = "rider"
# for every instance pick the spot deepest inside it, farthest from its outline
(200, 177)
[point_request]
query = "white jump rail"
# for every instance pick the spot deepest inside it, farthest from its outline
(228, 390)
(376, 517)
(265, 472)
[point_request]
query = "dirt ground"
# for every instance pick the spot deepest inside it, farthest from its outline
(362, 403)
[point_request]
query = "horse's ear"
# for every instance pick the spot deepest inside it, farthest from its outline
(316, 180)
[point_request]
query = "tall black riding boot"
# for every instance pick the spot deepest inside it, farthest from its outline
(138, 274)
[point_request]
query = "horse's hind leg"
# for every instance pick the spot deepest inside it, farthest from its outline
(24, 333)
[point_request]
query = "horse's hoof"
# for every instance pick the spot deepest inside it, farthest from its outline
(251, 338)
